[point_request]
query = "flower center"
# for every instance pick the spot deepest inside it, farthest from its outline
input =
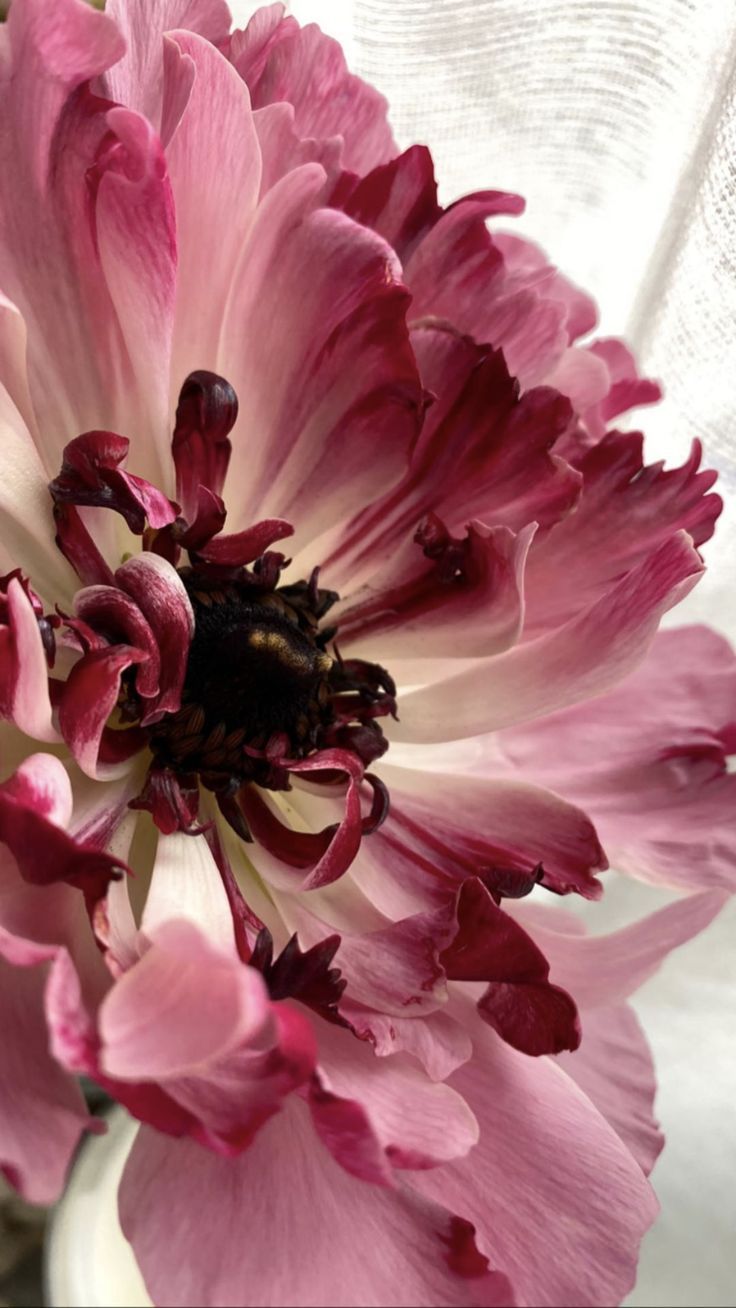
(257, 684)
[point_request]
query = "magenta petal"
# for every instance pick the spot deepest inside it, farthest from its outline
(91, 474)
(161, 597)
(313, 1235)
(205, 416)
(244, 546)
(32, 803)
(88, 697)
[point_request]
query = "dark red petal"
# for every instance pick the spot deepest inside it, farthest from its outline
(244, 546)
(91, 474)
(520, 1003)
(44, 853)
(205, 416)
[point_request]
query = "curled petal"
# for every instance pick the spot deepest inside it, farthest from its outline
(232, 551)
(161, 597)
(88, 697)
(32, 803)
(24, 671)
(205, 416)
(91, 474)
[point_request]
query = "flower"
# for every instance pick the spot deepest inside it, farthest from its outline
(267, 821)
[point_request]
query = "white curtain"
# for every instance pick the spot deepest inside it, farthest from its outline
(617, 120)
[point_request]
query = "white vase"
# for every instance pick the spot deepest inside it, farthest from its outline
(89, 1263)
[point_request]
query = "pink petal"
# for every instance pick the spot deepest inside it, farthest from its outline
(581, 659)
(43, 1111)
(90, 186)
(606, 969)
(614, 1068)
(660, 793)
(528, 265)
(183, 1004)
(626, 389)
(215, 168)
(483, 452)
(548, 1160)
(456, 826)
(313, 1236)
(466, 597)
(315, 291)
(308, 69)
(232, 551)
(625, 511)
(136, 80)
(418, 1123)
(436, 1040)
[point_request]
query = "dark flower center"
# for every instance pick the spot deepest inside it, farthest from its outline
(257, 686)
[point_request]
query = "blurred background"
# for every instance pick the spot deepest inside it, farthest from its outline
(616, 119)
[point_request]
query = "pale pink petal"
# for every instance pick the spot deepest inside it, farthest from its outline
(282, 149)
(136, 79)
(614, 1068)
(214, 163)
(626, 389)
(185, 884)
(438, 1042)
(660, 792)
(26, 521)
(316, 291)
(604, 970)
(183, 1004)
(281, 61)
(96, 202)
(547, 1163)
(418, 1123)
(24, 695)
(43, 1111)
(312, 1237)
(581, 659)
(528, 265)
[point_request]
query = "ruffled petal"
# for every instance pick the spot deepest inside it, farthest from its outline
(316, 292)
(604, 970)
(660, 791)
(585, 657)
(547, 1159)
(625, 511)
(417, 1123)
(281, 61)
(97, 202)
(312, 1237)
(464, 596)
(32, 803)
(24, 671)
(136, 80)
(443, 828)
(43, 1110)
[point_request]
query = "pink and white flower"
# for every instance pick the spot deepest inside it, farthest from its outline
(267, 821)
